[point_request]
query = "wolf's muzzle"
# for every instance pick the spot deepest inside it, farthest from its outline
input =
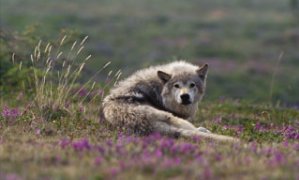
(185, 99)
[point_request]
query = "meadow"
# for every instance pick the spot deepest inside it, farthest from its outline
(82, 146)
(242, 41)
(60, 58)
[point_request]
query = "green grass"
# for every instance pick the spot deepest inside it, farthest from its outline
(32, 148)
(137, 33)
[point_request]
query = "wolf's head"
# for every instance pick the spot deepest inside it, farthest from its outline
(182, 91)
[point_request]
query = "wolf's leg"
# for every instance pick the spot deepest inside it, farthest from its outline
(141, 115)
(165, 128)
(175, 122)
(202, 129)
(145, 117)
(168, 129)
(154, 114)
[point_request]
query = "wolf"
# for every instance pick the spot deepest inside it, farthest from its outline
(160, 99)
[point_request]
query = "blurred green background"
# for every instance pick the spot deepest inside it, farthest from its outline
(241, 40)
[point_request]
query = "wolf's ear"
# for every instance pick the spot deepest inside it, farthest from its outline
(163, 76)
(202, 71)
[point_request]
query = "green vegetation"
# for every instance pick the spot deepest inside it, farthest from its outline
(52, 123)
(241, 40)
(82, 146)
(51, 126)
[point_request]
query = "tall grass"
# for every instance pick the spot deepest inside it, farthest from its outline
(274, 76)
(57, 70)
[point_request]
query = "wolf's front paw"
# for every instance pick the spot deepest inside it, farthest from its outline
(202, 129)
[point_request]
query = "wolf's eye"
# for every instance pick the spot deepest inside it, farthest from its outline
(192, 85)
(177, 86)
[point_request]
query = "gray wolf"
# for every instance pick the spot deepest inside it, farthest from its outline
(160, 99)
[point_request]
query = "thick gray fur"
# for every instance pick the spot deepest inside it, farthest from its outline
(150, 100)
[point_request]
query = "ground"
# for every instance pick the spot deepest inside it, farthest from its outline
(87, 148)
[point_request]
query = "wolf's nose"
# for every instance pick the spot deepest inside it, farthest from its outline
(185, 97)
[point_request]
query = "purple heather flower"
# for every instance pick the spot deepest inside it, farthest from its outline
(109, 143)
(37, 131)
(120, 150)
(285, 143)
(240, 129)
(290, 132)
(98, 161)
(201, 160)
(10, 113)
(171, 162)
(64, 143)
(82, 92)
(218, 157)
(82, 144)
(185, 148)
(196, 139)
(146, 158)
(123, 165)
(129, 139)
(152, 138)
(156, 136)
(218, 120)
(207, 173)
(113, 171)
(262, 127)
(267, 151)
(177, 161)
(253, 147)
(247, 160)
(258, 126)
(166, 143)
(236, 146)
(158, 153)
(58, 158)
(101, 150)
(296, 146)
(12, 177)
(277, 158)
